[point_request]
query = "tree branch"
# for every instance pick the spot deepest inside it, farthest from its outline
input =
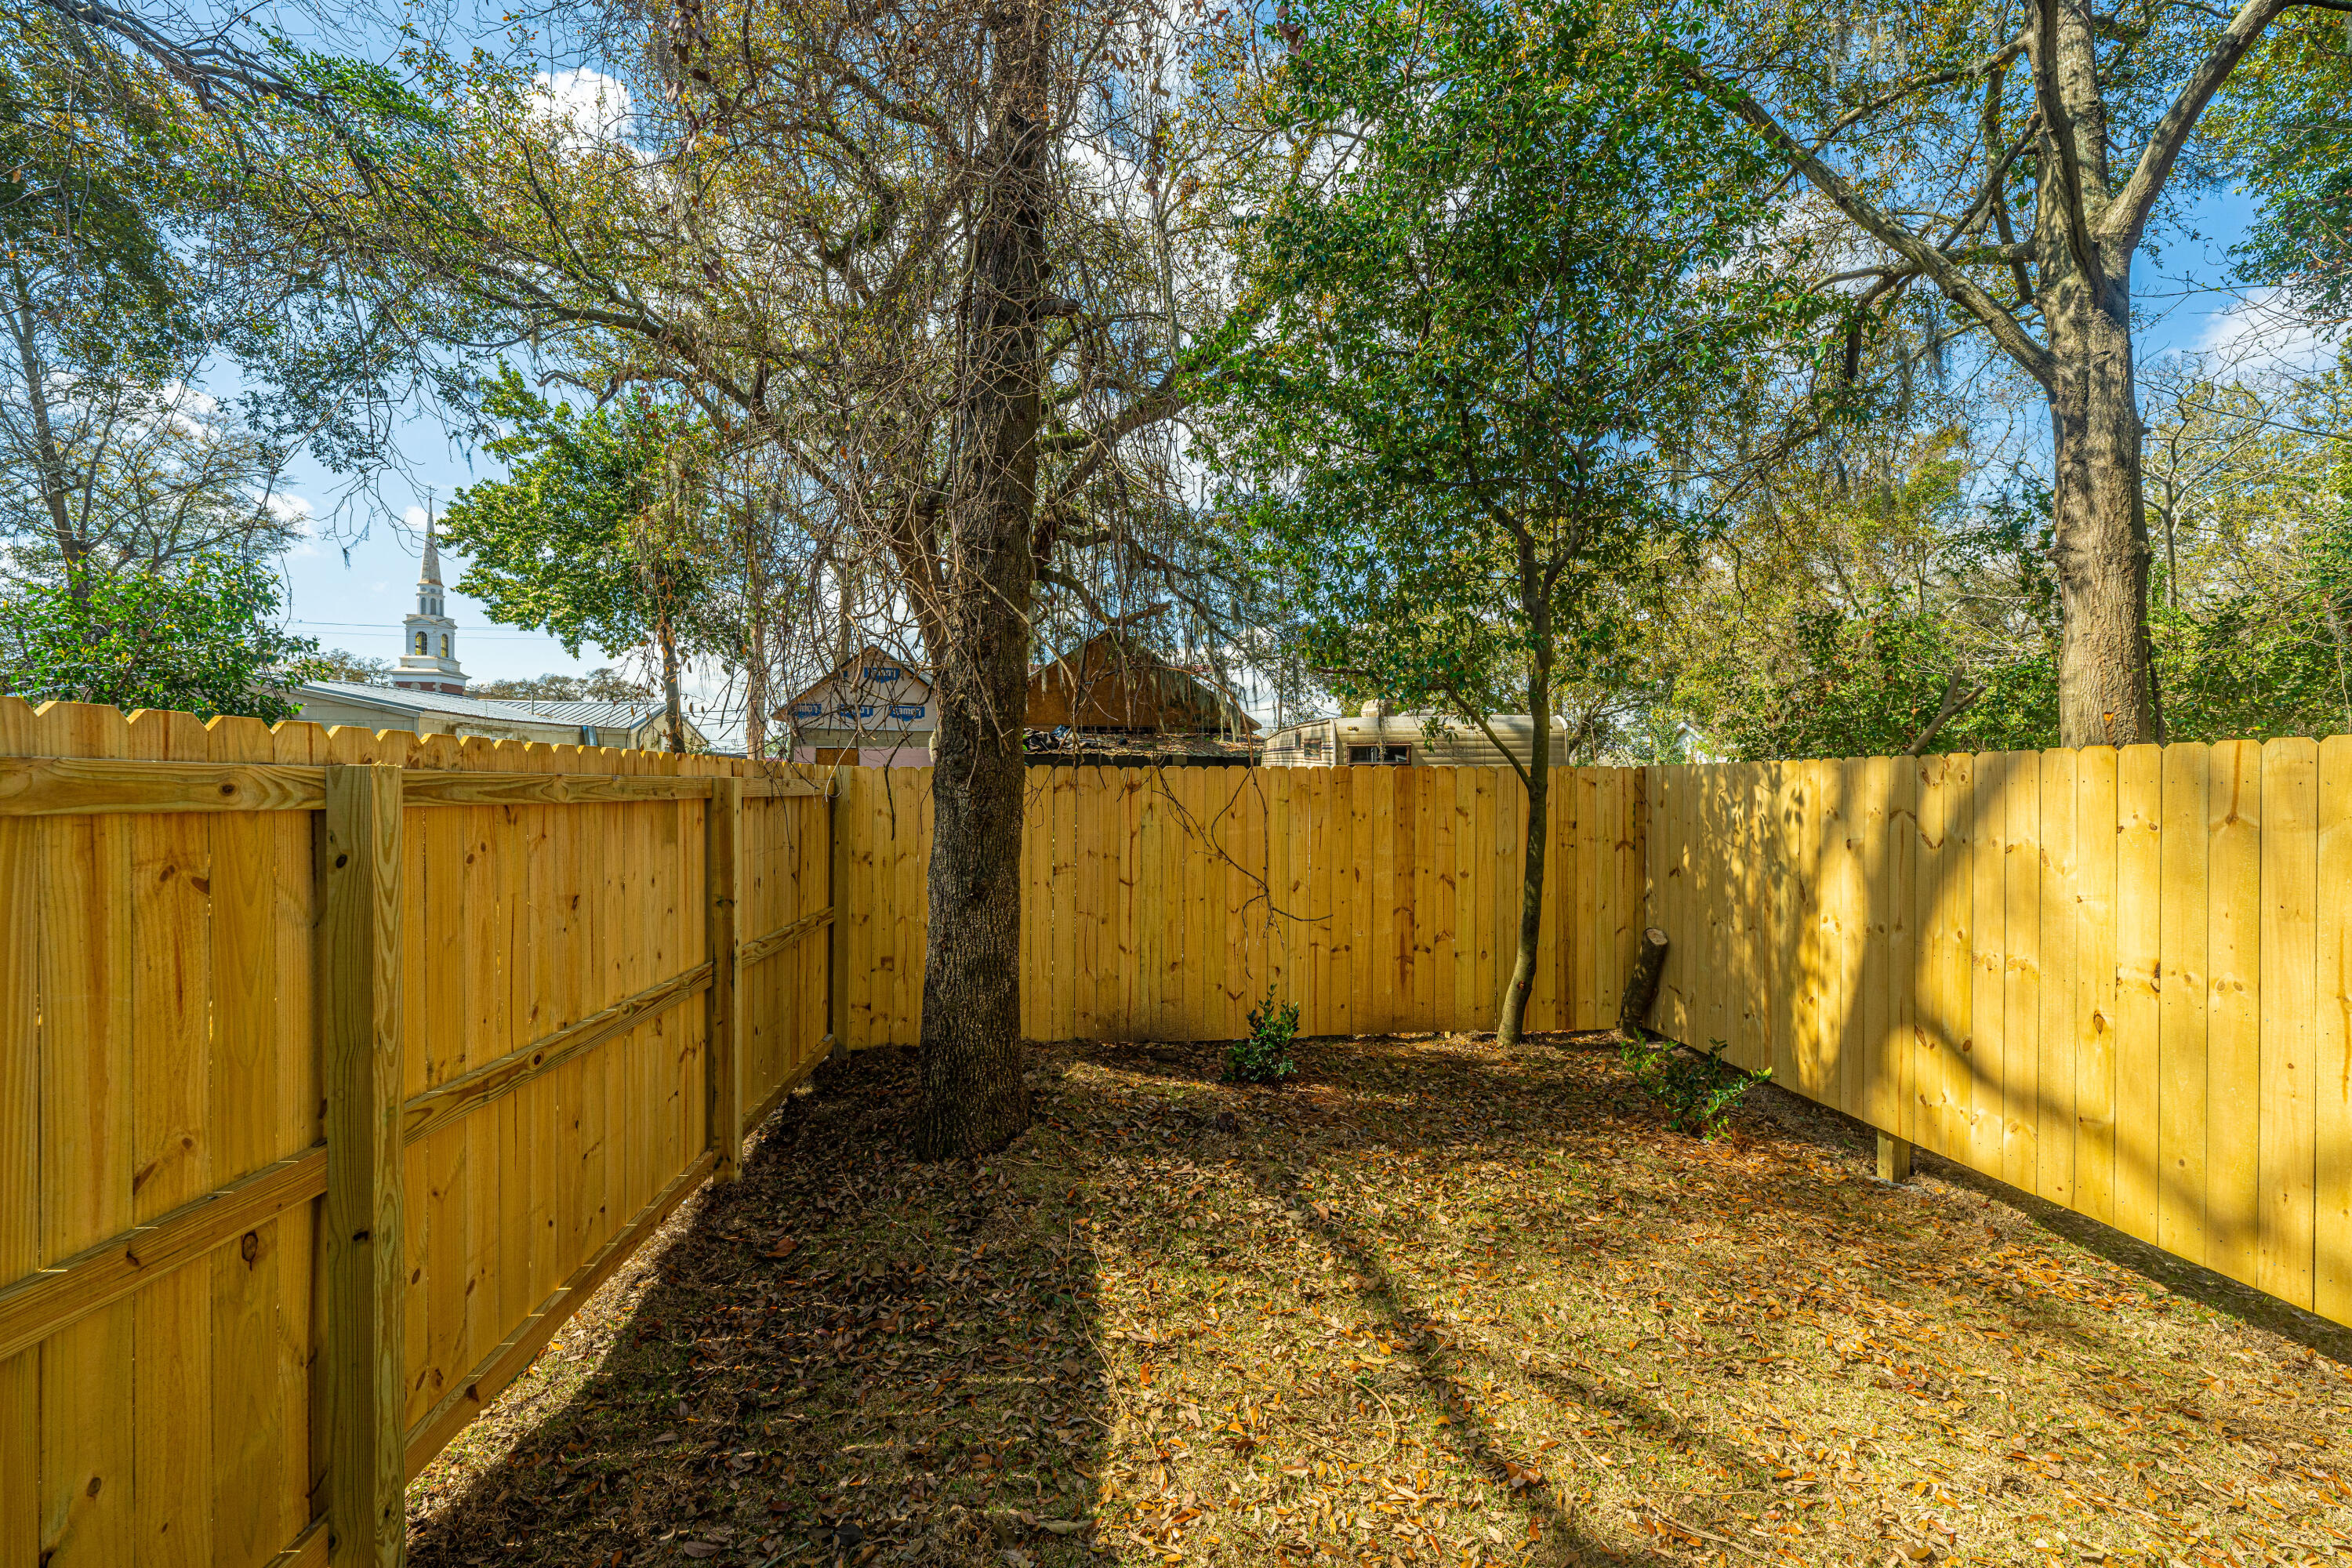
(2127, 216)
(1896, 94)
(2030, 356)
(2045, 61)
(1497, 741)
(1954, 703)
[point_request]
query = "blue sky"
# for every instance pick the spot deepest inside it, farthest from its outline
(353, 581)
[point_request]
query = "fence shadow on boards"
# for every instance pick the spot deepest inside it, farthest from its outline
(336, 1068)
(1161, 903)
(2121, 980)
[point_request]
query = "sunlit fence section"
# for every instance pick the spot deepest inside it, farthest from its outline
(2118, 979)
(336, 1068)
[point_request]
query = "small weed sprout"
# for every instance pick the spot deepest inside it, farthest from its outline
(1263, 1056)
(1698, 1092)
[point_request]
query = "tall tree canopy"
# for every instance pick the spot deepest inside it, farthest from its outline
(601, 531)
(1493, 294)
(2011, 157)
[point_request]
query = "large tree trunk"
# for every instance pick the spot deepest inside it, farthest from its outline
(973, 1100)
(2105, 693)
(2105, 689)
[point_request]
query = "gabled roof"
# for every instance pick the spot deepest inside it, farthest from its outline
(1122, 661)
(908, 670)
(403, 700)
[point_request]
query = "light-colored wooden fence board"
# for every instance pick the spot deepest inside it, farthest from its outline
(2095, 870)
(1988, 1010)
(2053, 1090)
(165, 1398)
(2331, 1282)
(22, 1227)
(2022, 876)
(2184, 999)
(2288, 1112)
(2233, 1036)
(1879, 828)
(2138, 915)
(2128, 987)
(1902, 1062)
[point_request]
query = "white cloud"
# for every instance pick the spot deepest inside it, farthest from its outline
(297, 513)
(2264, 330)
(595, 106)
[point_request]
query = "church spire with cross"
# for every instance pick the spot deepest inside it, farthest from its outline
(429, 646)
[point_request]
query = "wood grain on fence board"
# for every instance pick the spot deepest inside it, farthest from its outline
(2120, 979)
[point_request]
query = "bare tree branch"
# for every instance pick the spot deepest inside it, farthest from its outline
(2127, 216)
(2030, 356)
(1954, 704)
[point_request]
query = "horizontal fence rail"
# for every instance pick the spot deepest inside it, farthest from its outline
(498, 1009)
(2121, 980)
(492, 1009)
(1163, 903)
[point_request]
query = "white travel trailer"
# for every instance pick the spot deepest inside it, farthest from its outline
(1378, 737)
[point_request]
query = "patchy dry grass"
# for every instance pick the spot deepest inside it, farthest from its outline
(1424, 1304)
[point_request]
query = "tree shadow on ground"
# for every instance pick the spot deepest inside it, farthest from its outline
(2253, 1308)
(1742, 1348)
(845, 1356)
(1424, 1303)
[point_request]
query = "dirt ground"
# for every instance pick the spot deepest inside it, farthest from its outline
(1423, 1304)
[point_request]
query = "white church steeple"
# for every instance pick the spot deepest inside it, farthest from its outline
(428, 645)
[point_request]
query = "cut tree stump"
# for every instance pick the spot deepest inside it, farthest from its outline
(1642, 985)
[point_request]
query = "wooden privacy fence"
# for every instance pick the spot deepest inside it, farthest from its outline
(2119, 979)
(1162, 903)
(336, 1069)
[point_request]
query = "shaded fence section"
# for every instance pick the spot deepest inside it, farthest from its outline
(336, 1068)
(2121, 980)
(1162, 903)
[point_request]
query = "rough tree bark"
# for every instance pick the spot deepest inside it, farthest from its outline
(2099, 548)
(2087, 227)
(973, 1099)
(673, 702)
(1641, 984)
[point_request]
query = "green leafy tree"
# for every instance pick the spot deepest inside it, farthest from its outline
(2008, 161)
(601, 685)
(594, 534)
(360, 669)
(1857, 603)
(1491, 294)
(2283, 129)
(2250, 485)
(202, 639)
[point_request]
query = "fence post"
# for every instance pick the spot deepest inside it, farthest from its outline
(1894, 1159)
(836, 952)
(366, 1430)
(723, 865)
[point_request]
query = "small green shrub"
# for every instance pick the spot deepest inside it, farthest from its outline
(1699, 1092)
(1264, 1056)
